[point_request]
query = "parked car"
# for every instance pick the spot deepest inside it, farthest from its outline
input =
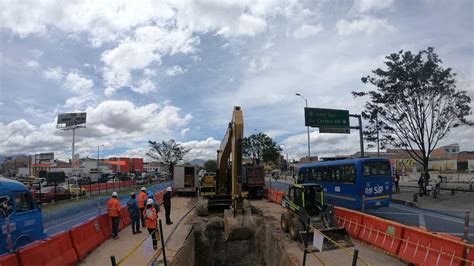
(49, 194)
(74, 189)
(113, 180)
(39, 182)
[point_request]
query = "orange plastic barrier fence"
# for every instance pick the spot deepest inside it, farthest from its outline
(470, 255)
(125, 216)
(381, 233)
(424, 248)
(86, 237)
(351, 220)
(105, 225)
(9, 260)
(64, 243)
(278, 197)
(105, 186)
(41, 253)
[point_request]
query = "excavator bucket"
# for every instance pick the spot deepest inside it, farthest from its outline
(238, 226)
(333, 238)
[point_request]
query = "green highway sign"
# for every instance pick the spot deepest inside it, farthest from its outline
(338, 130)
(330, 118)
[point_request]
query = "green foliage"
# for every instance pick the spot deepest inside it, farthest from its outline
(415, 103)
(210, 166)
(168, 152)
(260, 147)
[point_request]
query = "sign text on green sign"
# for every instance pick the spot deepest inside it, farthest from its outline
(319, 117)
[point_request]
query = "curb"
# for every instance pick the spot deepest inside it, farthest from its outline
(406, 203)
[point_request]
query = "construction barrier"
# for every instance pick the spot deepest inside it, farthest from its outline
(105, 225)
(470, 255)
(9, 260)
(106, 186)
(86, 237)
(41, 253)
(351, 220)
(274, 196)
(424, 248)
(125, 216)
(381, 233)
(64, 243)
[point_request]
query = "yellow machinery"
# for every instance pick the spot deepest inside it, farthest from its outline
(238, 222)
(208, 185)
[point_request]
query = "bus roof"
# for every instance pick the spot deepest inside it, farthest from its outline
(340, 162)
(10, 184)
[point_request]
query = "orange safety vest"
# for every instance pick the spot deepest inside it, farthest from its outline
(113, 207)
(150, 218)
(141, 199)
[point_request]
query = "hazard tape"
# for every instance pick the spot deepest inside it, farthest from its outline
(350, 252)
(406, 241)
(122, 260)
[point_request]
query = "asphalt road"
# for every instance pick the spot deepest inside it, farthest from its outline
(442, 221)
(62, 219)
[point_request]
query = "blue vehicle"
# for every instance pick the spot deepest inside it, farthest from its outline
(347, 183)
(20, 217)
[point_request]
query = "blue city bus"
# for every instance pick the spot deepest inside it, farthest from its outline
(348, 182)
(20, 217)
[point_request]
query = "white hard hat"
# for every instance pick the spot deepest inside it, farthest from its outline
(114, 194)
(169, 189)
(143, 189)
(149, 201)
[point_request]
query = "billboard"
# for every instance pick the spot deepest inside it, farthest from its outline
(71, 119)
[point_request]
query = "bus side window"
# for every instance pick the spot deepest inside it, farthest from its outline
(5, 207)
(23, 202)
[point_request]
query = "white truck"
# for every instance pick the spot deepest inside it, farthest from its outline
(186, 178)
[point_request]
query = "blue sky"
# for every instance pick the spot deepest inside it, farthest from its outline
(174, 69)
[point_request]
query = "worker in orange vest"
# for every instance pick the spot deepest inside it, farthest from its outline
(141, 199)
(151, 221)
(113, 208)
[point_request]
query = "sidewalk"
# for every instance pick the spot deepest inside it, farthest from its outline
(127, 241)
(460, 202)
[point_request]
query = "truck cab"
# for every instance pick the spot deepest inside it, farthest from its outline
(20, 217)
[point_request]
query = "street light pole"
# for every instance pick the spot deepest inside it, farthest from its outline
(309, 145)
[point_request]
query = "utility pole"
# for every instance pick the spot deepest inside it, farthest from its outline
(309, 145)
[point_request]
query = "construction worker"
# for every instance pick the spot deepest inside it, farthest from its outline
(151, 217)
(113, 208)
(167, 204)
(155, 203)
(141, 200)
(134, 213)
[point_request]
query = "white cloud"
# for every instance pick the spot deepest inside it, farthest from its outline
(147, 46)
(307, 31)
(112, 123)
(184, 131)
(259, 64)
(54, 73)
(227, 18)
(144, 86)
(77, 84)
(205, 149)
(367, 25)
(175, 71)
(102, 20)
(365, 6)
(33, 64)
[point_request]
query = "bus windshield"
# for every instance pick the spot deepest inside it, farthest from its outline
(375, 168)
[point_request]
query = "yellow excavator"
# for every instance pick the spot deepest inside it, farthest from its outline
(229, 193)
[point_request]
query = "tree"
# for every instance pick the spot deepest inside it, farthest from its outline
(168, 152)
(260, 147)
(210, 166)
(414, 105)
